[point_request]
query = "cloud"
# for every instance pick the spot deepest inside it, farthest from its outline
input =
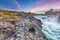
(17, 4)
(45, 6)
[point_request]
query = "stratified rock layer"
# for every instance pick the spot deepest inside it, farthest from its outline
(29, 29)
(25, 28)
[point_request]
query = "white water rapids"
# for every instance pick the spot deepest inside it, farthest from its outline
(50, 27)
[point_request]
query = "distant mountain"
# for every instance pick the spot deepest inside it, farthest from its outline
(56, 10)
(53, 11)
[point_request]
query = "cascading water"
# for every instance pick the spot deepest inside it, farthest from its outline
(50, 27)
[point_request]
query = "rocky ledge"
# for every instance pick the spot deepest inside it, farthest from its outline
(29, 29)
(26, 29)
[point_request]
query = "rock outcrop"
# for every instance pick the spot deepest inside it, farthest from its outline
(29, 29)
(25, 28)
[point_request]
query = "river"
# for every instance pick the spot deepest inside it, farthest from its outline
(50, 27)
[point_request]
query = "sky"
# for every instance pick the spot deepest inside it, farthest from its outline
(29, 5)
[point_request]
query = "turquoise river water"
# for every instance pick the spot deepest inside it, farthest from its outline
(50, 27)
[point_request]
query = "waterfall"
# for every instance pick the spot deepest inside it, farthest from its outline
(50, 27)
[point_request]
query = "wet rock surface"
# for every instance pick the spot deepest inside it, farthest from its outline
(26, 29)
(29, 29)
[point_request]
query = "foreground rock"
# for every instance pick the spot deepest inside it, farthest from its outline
(26, 29)
(29, 29)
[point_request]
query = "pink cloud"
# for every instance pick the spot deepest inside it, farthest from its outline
(45, 6)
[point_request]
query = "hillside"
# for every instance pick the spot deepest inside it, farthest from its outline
(14, 23)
